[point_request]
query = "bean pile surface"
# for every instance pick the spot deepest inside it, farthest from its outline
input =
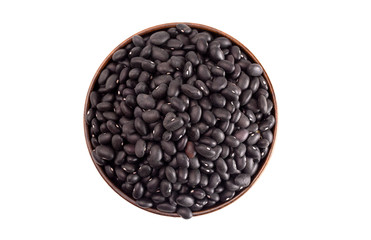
(180, 120)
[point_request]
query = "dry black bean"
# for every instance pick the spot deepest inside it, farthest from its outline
(216, 53)
(226, 65)
(253, 138)
(219, 83)
(217, 100)
(185, 200)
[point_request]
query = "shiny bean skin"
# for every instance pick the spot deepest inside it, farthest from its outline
(218, 100)
(166, 207)
(184, 212)
(254, 70)
(203, 72)
(204, 151)
(185, 200)
(195, 113)
(253, 138)
(218, 84)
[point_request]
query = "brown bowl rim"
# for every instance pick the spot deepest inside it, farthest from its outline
(147, 31)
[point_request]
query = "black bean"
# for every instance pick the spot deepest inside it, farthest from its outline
(168, 147)
(166, 136)
(195, 113)
(209, 118)
(144, 171)
(146, 101)
(244, 122)
(240, 150)
(214, 180)
(185, 200)
(202, 45)
(191, 91)
(153, 184)
(192, 57)
(262, 104)
(158, 53)
(134, 52)
(232, 167)
(245, 97)
(223, 41)
(226, 65)
(159, 38)
(205, 103)
(253, 151)
(205, 151)
(241, 135)
(148, 65)
(267, 135)
(263, 143)
(140, 126)
(254, 84)
(172, 123)
(193, 133)
(155, 156)
(222, 114)
(194, 163)
(218, 84)
(110, 172)
(144, 203)
(151, 116)
(216, 53)
(120, 158)
(103, 76)
(242, 180)
(165, 188)
(203, 72)
(164, 68)
(140, 148)
(119, 55)
(232, 141)
(183, 28)
(138, 190)
(230, 93)
(253, 138)
(129, 149)
(184, 212)
(254, 70)
(182, 160)
(117, 142)
(198, 193)
(166, 207)
(207, 141)
(182, 175)
(187, 70)
(105, 138)
(267, 124)
(218, 135)
(174, 44)
(170, 174)
(104, 106)
(194, 177)
(253, 128)
(105, 152)
(160, 91)
(158, 198)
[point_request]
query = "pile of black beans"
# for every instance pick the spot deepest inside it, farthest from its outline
(180, 120)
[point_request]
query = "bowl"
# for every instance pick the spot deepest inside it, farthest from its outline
(144, 32)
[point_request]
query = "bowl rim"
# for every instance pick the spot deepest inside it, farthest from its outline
(148, 31)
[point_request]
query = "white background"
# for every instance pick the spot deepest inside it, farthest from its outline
(316, 185)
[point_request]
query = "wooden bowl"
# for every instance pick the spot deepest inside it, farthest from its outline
(252, 58)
